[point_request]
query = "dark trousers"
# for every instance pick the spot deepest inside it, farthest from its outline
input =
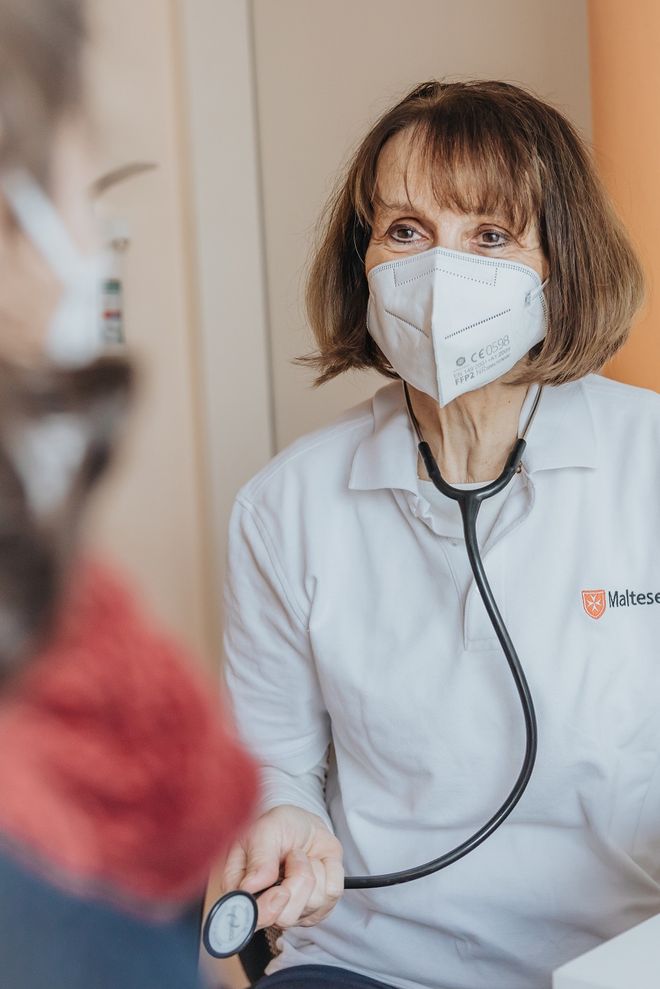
(318, 977)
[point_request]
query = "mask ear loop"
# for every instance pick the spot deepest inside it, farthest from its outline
(534, 293)
(76, 338)
(48, 233)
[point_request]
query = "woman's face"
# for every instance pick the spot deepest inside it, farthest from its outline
(408, 218)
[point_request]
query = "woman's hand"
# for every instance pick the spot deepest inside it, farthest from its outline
(295, 847)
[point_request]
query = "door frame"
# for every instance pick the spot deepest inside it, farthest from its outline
(219, 135)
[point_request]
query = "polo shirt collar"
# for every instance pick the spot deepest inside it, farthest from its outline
(562, 434)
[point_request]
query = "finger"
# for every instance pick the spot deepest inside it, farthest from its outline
(334, 888)
(299, 880)
(317, 897)
(262, 866)
(234, 869)
(334, 872)
(271, 904)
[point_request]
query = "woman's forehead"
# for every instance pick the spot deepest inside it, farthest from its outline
(402, 175)
(414, 173)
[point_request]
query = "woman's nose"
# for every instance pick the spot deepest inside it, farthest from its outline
(450, 235)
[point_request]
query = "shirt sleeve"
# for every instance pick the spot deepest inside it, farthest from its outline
(270, 670)
(307, 790)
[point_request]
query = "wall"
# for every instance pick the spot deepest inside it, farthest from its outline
(151, 517)
(625, 78)
(249, 109)
(324, 71)
(277, 92)
(219, 135)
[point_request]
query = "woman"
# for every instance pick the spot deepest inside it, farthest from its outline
(364, 670)
(120, 781)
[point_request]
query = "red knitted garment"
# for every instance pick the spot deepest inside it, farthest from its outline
(117, 767)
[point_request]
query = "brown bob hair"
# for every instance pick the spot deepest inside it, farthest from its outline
(489, 147)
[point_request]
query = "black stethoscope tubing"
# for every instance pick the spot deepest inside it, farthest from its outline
(469, 502)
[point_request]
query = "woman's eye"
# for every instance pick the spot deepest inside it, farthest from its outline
(493, 238)
(403, 233)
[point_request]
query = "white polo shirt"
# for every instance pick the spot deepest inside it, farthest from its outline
(351, 619)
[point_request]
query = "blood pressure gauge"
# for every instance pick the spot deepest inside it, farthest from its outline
(230, 924)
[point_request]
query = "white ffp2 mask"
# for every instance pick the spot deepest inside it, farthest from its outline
(75, 330)
(450, 322)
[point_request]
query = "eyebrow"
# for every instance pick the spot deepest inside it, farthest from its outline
(402, 207)
(405, 206)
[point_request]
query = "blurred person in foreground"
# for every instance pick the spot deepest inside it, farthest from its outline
(119, 782)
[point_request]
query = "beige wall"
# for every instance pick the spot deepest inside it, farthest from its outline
(220, 137)
(277, 92)
(324, 71)
(249, 109)
(151, 517)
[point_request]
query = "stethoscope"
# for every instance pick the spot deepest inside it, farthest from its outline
(232, 920)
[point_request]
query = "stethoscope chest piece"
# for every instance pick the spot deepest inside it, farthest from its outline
(230, 924)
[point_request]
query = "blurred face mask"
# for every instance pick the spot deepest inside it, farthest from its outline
(74, 335)
(450, 322)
